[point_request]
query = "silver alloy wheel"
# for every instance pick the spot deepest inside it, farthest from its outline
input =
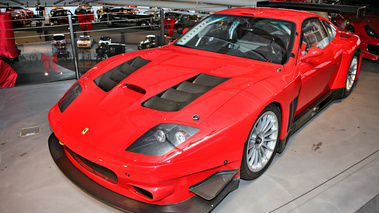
(352, 73)
(262, 141)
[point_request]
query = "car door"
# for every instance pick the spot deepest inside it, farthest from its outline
(317, 70)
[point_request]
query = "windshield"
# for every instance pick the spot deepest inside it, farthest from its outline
(248, 37)
(84, 39)
(58, 37)
(105, 38)
(148, 38)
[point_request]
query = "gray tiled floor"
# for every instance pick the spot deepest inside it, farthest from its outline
(329, 165)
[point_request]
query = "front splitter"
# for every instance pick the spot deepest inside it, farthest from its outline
(193, 204)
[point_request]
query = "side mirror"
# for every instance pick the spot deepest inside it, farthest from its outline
(185, 30)
(312, 52)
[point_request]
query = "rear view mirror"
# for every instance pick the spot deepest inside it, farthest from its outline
(312, 52)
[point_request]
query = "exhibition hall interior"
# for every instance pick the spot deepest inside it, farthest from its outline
(189, 106)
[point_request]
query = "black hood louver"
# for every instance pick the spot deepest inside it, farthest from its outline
(114, 76)
(179, 96)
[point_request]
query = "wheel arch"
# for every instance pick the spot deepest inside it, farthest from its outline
(340, 80)
(350, 44)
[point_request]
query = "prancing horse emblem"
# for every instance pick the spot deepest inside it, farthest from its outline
(84, 131)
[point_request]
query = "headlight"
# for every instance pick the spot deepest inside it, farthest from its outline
(69, 97)
(161, 139)
(371, 32)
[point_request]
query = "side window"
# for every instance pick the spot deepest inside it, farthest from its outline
(331, 30)
(313, 35)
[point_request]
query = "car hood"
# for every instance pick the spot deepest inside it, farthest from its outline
(115, 119)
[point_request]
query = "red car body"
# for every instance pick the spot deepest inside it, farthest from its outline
(98, 125)
(370, 43)
(20, 15)
(23, 9)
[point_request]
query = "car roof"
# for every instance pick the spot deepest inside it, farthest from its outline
(275, 13)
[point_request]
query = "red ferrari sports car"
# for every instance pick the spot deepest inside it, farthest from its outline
(174, 129)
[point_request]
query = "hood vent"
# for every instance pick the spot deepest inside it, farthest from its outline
(179, 96)
(136, 89)
(114, 76)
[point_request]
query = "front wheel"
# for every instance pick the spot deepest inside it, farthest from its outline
(260, 147)
(351, 75)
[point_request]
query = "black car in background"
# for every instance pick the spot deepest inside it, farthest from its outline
(60, 16)
(149, 42)
(127, 16)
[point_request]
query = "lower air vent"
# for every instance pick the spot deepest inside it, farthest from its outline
(373, 49)
(143, 192)
(179, 96)
(94, 168)
(114, 76)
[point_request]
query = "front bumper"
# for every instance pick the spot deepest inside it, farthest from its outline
(83, 45)
(193, 204)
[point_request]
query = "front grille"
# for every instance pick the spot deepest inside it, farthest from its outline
(373, 49)
(94, 168)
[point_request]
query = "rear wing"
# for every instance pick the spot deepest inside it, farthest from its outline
(359, 11)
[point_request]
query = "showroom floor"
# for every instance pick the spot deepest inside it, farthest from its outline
(329, 165)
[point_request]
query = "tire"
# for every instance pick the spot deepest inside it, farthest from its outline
(351, 75)
(260, 147)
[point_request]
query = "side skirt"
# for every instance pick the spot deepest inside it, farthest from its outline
(308, 114)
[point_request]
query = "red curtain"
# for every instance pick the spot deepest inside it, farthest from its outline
(8, 47)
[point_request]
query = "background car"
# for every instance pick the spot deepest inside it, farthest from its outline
(83, 9)
(59, 46)
(61, 17)
(149, 42)
(105, 40)
(19, 15)
(127, 16)
(55, 9)
(175, 128)
(28, 11)
(84, 41)
(366, 27)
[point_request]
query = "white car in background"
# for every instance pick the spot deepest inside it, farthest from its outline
(105, 40)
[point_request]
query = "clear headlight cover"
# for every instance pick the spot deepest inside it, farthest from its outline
(161, 139)
(370, 31)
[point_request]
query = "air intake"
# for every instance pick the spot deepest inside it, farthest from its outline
(143, 192)
(114, 76)
(179, 96)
